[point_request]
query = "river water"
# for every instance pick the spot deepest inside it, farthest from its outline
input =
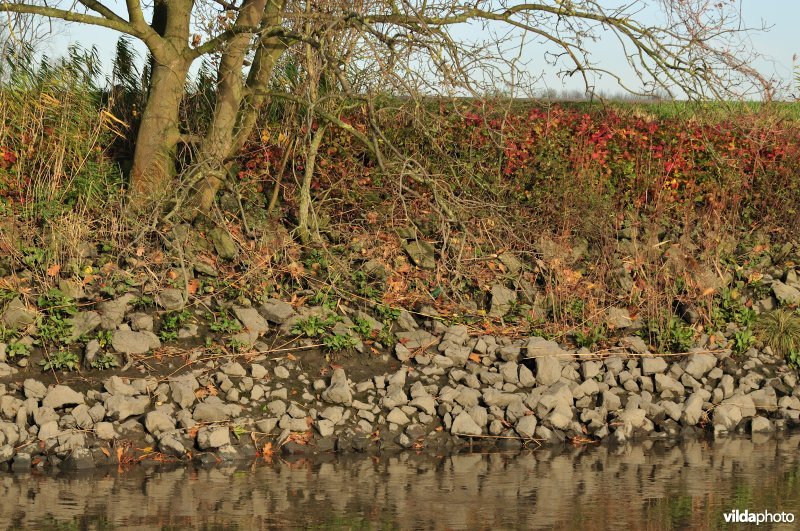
(645, 486)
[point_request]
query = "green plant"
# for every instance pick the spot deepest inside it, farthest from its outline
(61, 360)
(742, 341)
(105, 361)
(314, 326)
(386, 337)
(679, 336)
(673, 336)
(387, 313)
(363, 286)
(323, 298)
(33, 256)
(7, 334)
(779, 330)
(17, 348)
(793, 358)
(591, 336)
(336, 342)
(171, 323)
(55, 325)
(236, 345)
(104, 338)
(316, 260)
(226, 324)
(239, 430)
(362, 327)
(142, 302)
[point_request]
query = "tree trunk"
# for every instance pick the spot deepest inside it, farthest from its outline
(154, 158)
(237, 103)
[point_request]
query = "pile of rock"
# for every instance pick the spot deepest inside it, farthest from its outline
(443, 387)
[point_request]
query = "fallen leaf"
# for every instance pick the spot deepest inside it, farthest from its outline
(193, 286)
(475, 357)
(105, 452)
(53, 270)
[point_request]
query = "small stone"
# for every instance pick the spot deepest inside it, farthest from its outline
(786, 295)
(398, 416)
(325, 427)
(122, 407)
(48, 430)
(618, 318)
(157, 422)
(699, 365)
(79, 459)
(233, 369)
(526, 426)
(503, 299)
(205, 269)
(116, 386)
(170, 445)
(422, 254)
(281, 372)
(83, 419)
(60, 396)
(105, 431)
(653, 365)
(171, 299)
(338, 392)
(252, 320)
(258, 371)
(130, 342)
(761, 425)
(210, 437)
(34, 389)
(266, 425)
(224, 245)
(206, 412)
(277, 311)
(464, 424)
(16, 315)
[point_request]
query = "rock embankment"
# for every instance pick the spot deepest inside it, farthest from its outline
(442, 387)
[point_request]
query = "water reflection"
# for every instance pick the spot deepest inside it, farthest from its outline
(648, 486)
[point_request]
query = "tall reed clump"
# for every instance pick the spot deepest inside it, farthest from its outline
(58, 187)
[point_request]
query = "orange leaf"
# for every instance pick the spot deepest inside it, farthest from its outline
(105, 452)
(53, 270)
(474, 357)
(193, 286)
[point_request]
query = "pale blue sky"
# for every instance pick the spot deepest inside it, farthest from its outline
(778, 45)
